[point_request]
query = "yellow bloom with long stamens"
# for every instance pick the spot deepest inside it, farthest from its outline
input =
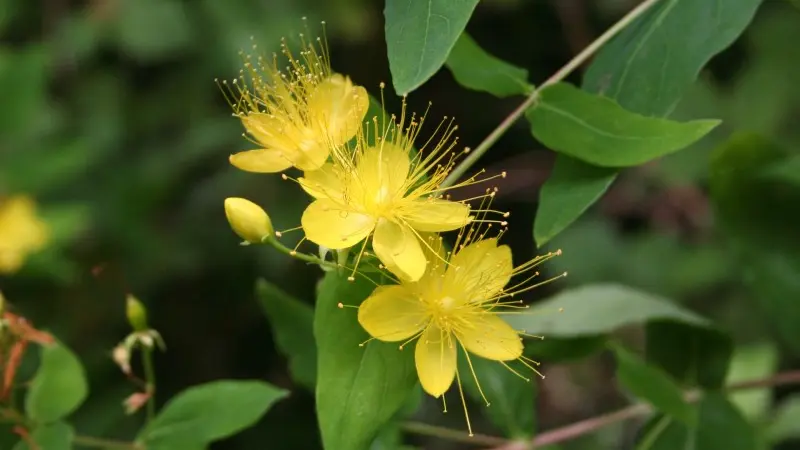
(294, 115)
(456, 303)
(22, 232)
(386, 190)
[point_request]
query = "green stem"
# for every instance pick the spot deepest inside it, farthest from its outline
(294, 254)
(451, 435)
(93, 442)
(562, 73)
(150, 380)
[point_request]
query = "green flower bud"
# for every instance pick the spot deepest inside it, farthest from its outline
(247, 219)
(137, 314)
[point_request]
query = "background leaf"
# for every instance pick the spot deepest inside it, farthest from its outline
(512, 400)
(690, 354)
(208, 412)
(647, 68)
(653, 386)
(59, 386)
(292, 323)
(752, 362)
(420, 35)
(572, 187)
(51, 436)
(474, 68)
(596, 309)
(358, 388)
(597, 130)
(785, 422)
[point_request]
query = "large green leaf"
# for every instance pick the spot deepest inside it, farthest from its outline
(476, 69)
(597, 309)
(760, 217)
(597, 130)
(51, 436)
(359, 388)
(59, 386)
(512, 400)
(720, 426)
(649, 66)
(785, 423)
(692, 355)
(420, 35)
(292, 323)
(573, 186)
(653, 386)
(202, 414)
(751, 362)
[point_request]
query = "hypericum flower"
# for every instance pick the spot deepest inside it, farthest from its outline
(456, 303)
(22, 232)
(386, 190)
(294, 115)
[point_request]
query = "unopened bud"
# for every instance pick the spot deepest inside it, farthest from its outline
(247, 219)
(122, 357)
(137, 314)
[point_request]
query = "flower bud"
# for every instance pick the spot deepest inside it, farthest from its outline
(137, 314)
(247, 219)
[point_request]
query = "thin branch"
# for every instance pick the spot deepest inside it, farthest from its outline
(562, 73)
(451, 435)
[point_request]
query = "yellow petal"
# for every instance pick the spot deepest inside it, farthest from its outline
(435, 215)
(312, 153)
(326, 182)
(392, 313)
(480, 270)
(399, 250)
(21, 232)
(339, 107)
(490, 337)
(435, 358)
(261, 161)
(430, 285)
(382, 171)
(270, 130)
(326, 223)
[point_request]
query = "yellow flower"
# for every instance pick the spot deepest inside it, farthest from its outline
(387, 191)
(294, 115)
(247, 219)
(22, 232)
(456, 303)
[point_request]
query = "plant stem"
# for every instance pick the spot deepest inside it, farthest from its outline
(301, 256)
(93, 442)
(150, 380)
(593, 424)
(562, 73)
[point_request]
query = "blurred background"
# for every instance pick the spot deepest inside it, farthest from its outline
(110, 117)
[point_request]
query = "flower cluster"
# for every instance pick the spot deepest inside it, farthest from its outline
(22, 232)
(379, 189)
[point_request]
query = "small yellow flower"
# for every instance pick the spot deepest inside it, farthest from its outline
(294, 115)
(387, 191)
(456, 303)
(247, 219)
(22, 232)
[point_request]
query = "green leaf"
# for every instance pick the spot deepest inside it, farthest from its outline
(573, 186)
(596, 309)
(691, 354)
(420, 35)
(597, 130)
(760, 217)
(650, 64)
(653, 386)
(512, 400)
(59, 386)
(785, 422)
(555, 350)
(749, 363)
(23, 85)
(202, 414)
(292, 323)
(719, 427)
(51, 436)
(478, 70)
(787, 170)
(358, 388)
